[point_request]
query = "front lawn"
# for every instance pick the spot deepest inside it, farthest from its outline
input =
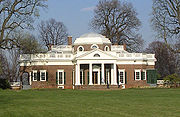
(78, 103)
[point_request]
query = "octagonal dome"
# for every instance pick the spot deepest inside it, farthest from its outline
(91, 38)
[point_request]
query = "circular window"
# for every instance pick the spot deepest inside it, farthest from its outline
(94, 46)
(80, 48)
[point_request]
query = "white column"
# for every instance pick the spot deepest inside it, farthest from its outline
(102, 73)
(115, 74)
(90, 74)
(112, 74)
(77, 74)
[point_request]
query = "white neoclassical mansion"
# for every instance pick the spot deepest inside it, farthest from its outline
(90, 62)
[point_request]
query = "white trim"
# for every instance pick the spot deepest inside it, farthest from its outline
(80, 47)
(106, 47)
(138, 70)
(61, 87)
(34, 71)
(82, 76)
(121, 70)
(60, 70)
(97, 47)
(44, 76)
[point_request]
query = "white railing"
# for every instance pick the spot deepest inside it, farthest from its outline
(136, 55)
(117, 48)
(62, 48)
(45, 56)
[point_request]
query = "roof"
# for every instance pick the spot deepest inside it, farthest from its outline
(92, 38)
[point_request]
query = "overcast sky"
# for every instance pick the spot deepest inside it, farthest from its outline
(76, 15)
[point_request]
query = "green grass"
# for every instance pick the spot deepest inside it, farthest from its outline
(77, 103)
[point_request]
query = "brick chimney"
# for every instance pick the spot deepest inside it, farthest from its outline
(69, 40)
(50, 47)
(124, 45)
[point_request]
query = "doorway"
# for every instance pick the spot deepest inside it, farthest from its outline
(95, 77)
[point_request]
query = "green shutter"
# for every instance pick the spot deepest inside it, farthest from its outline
(56, 77)
(31, 76)
(134, 75)
(38, 76)
(88, 77)
(84, 77)
(64, 77)
(46, 76)
(142, 76)
(118, 77)
(100, 77)
(125, 77)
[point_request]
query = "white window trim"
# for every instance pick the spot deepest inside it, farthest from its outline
(94, 45)
(62, 76)
(121, 70)
(82, 75)
(79, 47)
(34, 71)
(145, 74)
(138, 70)
(106, 47)
(40, 75)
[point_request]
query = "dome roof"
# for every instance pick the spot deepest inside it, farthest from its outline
(92, 38)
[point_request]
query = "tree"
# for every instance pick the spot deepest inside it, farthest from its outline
(166, 63)
(118, 22)
(16, 14)
(10, 58)
(52, 32)
(166, 20)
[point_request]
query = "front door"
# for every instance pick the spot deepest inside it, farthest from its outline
(95, 77)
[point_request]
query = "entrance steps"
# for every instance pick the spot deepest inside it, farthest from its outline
(98, 87)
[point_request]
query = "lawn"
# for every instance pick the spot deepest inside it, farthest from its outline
(80, 103)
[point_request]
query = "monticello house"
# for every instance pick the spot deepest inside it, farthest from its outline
(91, 62)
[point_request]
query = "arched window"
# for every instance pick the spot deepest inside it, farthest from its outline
(96, 55)
(94, 46)
(80, 48)
(106, 48)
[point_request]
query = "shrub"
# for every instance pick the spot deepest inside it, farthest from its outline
(172, 80)
(4, 84)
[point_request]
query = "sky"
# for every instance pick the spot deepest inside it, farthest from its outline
(77, 14)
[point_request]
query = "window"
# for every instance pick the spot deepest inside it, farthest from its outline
(96, 55)
(94, 46)
(61, 77)
(143, 75)
(137, 74)
(121, 76)
(42, 75)
(80, 48)
(34, 75)
(106, 48)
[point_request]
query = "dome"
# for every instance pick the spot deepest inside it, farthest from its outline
(92, 38)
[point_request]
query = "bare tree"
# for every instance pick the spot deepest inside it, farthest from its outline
(167, 61)
(166, 20)
(53, 32)
(16, 14)
(118, 21)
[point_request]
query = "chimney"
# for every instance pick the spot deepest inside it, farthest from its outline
(69, 40)
(124, 45)
(50, 47)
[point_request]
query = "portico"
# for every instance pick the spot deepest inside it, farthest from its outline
(97, 73)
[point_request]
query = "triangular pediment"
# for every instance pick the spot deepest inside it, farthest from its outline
(97, 54)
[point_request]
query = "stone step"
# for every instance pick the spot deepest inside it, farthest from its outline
(26, 87)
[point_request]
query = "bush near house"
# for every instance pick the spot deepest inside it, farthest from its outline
(4, 84)
(172, 80)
